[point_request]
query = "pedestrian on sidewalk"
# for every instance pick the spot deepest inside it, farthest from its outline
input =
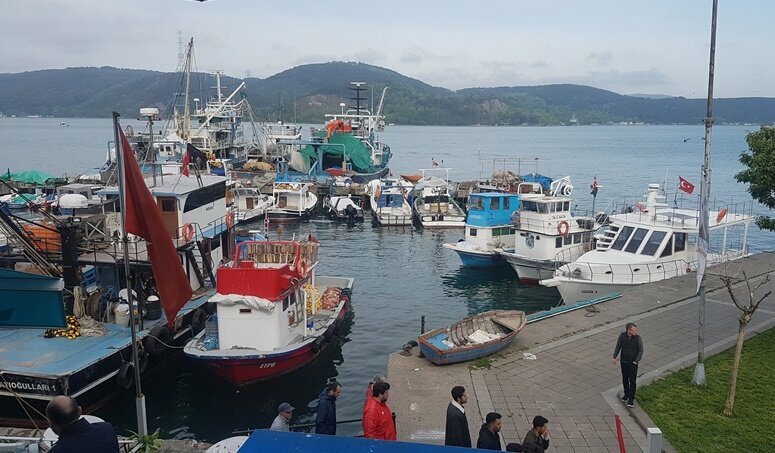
(377, 418)
(489, 439)
(537, 439)
(456, 433)
(631, 347)
(284, 414)
(325, 421)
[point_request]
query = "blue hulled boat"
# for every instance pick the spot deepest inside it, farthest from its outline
(488, 228)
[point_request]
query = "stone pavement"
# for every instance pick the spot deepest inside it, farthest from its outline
(572, 381)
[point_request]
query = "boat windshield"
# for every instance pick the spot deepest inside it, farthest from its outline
(391, 201)
(653, 243)
(476, 203)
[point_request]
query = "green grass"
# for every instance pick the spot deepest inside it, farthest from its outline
(690, 417)
(483, 363)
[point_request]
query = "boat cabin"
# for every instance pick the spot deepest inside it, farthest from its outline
(291, 196)
(489, 214)
(642, 241)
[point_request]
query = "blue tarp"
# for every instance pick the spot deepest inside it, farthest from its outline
(545, 181)
(31, 300)
(265, 441)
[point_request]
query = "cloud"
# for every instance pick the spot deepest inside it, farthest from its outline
(601, 58)
(539, 64)
(369, 55)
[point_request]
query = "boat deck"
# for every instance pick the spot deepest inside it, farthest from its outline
(27, 352)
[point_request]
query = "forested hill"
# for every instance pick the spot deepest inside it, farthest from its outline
(306, 93)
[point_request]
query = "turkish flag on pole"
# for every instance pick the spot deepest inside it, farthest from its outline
(143, 218)
(685, 185)
(184, 164)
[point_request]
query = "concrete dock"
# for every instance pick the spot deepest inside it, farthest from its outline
(561, 368)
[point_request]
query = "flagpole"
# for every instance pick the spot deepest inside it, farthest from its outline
(702, 243)
(142, 422)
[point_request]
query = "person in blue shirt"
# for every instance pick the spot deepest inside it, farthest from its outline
(325, 421)
(75, 433)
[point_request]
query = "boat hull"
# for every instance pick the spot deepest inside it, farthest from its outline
(287, 216)
(573, 291)
(386, 219)
(446, 358)
(530, 272)
(476, 258)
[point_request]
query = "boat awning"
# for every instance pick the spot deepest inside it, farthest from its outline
(31, 300)
(265, 441)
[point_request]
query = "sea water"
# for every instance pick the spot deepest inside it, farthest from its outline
(400, 273)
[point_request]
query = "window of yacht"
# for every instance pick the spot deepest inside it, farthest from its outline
(636, 240)
(543, 208)
(558, 242)
(530, 206)
(558, 206)
(652, 244)
(569, 239)
(668, 248)
(577, 238)
(476, 203)
(680, 242)
(566, 205)
(472, 231)
(621, 239)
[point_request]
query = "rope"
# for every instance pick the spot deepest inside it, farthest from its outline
(165, 344)
(90, 327)
(22, 402)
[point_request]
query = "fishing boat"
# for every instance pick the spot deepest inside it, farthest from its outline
(274, 314)
(389, 201)
(343, 208)
(349, 144)
(250, 203)
(649, 243)
(473, 337)
(434, 207)
(488, 228)
(293, 201)
(548, 234)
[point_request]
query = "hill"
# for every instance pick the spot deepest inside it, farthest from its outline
(305, 93)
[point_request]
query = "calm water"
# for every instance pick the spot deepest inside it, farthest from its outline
(399, 274)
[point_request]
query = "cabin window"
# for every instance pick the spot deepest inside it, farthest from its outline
(558, 206)
(543, 208)
(168, 204)
(512, 231)
(624, 234)
(636, 240)
(566, 205)
(494, 205)
(205, 196)
(586, 237)
(558, 242)
(531, 206)
(577, 238)
(653, 243)
(472, 231)
(668, 248)
(476, 203)
(680, 242)
(506, 203)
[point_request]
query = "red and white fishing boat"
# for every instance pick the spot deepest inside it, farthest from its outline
(274, 314)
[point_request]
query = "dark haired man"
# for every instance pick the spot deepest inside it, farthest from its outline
(378, 419)
(64, 416)
(631, 347)
(456, 432)
(325, 421)
(537, 439)
(489, 439)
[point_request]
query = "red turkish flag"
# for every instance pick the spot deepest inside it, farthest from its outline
(184, 164)
(143, 218)
(685, 185)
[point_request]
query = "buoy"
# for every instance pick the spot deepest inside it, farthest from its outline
(721, 215)
(563, 228)
(188, 232)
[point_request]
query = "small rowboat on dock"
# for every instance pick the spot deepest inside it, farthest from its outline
(473, 337)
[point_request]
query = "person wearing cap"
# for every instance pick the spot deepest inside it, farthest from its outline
(537, 439)
(281, 422)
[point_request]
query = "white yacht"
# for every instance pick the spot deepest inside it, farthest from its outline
(651, 243)
(389, 202)
(292, 201)
(250, 203)
(548, 234)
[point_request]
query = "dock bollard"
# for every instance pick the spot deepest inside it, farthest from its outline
(422, 331)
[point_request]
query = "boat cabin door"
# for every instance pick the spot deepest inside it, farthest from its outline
(169, 214)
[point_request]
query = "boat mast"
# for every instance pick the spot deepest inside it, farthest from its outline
(702, 243)
(186, 126)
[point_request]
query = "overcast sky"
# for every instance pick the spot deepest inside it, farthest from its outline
(648, 46)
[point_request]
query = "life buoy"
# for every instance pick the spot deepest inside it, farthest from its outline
(188, 232)
(126, 376)
(721, 215)
(157, 340)
(230, 219)
(302, 268)
(563, 228)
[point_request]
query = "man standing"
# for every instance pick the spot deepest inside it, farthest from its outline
(537, 439)
(75, 433)
(325, 422)
(284, 414)
(369, 389)
(377, 418)
(456, 433)
(488, 435)
(631, 347)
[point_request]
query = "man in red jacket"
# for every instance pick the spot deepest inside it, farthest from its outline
(378, 419)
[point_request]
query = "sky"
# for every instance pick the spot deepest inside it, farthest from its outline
(646, 47)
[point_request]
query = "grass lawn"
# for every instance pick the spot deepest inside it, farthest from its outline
(691, 419)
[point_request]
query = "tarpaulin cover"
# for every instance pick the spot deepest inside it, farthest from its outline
(356, 152)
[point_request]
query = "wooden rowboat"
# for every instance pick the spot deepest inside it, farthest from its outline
(473, 337)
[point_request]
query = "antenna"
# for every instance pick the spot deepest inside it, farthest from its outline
(181, 52)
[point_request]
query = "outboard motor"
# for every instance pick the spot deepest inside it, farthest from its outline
(351, 214)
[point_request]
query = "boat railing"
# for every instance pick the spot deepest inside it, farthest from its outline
(626, 273)
(571, 254)
(670, 212)
(552, 227)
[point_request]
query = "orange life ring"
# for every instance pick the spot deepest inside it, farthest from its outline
(188, 232)
(301, 268)
(721, 215)
(563, 228)
(230, 219)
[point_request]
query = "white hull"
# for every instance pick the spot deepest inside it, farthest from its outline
(574, 291)
(530, 271)
(392, 217)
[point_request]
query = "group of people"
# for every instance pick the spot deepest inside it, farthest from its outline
(379, 420)
(456, 431)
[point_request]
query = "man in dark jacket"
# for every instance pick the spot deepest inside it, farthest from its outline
(75, 433)
(631, 347)
(456, 433)
(325, 422)
(537, 439)
(488, 435)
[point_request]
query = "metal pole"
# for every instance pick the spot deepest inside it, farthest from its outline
(150, 149)
(699, 371)
(142, 423)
